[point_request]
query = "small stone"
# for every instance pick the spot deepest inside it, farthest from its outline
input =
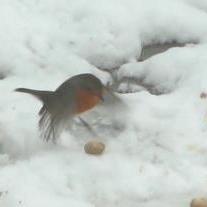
(94, 147)
(199, 202)
(203, 95)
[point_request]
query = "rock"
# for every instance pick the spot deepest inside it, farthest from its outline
(94, 147)
(203, 95)
(199, 202)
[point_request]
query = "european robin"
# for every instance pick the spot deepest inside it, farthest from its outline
(73, 97)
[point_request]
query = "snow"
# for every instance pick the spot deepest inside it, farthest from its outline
(157, 156)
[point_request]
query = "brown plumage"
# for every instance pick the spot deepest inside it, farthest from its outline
(76, 95)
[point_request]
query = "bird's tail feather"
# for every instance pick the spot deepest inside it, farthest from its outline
(44, 96)
(49, 122)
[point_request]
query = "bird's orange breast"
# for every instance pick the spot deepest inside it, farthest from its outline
(85, 101)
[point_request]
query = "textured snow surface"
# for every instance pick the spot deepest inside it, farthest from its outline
(158, 157)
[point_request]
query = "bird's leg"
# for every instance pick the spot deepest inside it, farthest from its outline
(88, 126)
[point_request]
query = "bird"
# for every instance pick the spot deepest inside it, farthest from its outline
(73, 97)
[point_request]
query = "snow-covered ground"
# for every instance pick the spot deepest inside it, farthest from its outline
(159, 158)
